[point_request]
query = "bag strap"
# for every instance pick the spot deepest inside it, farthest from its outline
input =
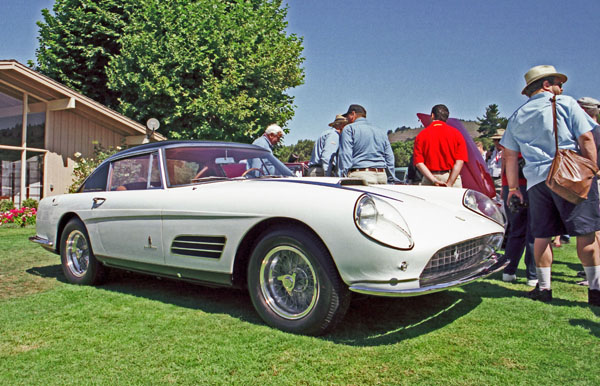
(553, 100)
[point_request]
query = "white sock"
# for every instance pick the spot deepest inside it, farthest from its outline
(593, 276)
(543, 275)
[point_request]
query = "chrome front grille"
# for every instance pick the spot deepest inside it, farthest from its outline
(199, 246)
(459, 260)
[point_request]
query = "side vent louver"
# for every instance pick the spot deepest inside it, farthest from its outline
(199, 246)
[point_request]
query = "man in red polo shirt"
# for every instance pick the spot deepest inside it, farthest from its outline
(440, 151)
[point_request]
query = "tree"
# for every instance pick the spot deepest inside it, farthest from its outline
(208, 69)
(302, 149)
(78, 42)
(403, 151)
(491, 121)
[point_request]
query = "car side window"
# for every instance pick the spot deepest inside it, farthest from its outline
(135, 173)
(97, 181)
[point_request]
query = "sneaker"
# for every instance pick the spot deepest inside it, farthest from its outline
(543, 295)
(581, 273)
(594, 297)
(565, 239)
(508, 277)
(585, 283)
(532, 282)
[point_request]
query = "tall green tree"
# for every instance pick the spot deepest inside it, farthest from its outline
(77, 42)
(491, 121)
(209, 69)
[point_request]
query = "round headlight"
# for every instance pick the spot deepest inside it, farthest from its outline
(380, 221)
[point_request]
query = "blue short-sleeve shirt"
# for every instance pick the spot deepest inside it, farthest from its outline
(530, 132)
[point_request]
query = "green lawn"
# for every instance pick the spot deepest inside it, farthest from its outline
(141, 330)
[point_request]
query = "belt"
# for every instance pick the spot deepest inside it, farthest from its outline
(379, 170)
(440, 171)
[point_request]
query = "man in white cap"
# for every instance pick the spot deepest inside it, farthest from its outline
(322, 159)
(530, 132)
(270, 138)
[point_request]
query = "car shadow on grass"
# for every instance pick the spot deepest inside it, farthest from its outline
(370, 321)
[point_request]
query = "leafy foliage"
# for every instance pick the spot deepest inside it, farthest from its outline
(491, 121)
(78, 40)
(302, 149)
(85, 166)
(403, 151)
(30, 203)
(6, 205)
(207, 69)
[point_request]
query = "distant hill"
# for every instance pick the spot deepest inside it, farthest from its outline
(405, 134)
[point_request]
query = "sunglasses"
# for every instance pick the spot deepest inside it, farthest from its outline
(559, 84)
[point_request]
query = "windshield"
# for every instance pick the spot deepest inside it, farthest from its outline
(192, 164)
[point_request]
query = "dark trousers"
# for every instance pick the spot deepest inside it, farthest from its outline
(519, 237)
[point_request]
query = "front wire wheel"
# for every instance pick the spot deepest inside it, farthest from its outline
(288, 282)
(294, 284)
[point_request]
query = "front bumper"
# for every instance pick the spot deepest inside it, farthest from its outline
(494, 264)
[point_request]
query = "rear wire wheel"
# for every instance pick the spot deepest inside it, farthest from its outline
(294, 284)
(77, 258)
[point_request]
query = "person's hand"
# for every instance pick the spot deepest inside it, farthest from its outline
(440, 183)
(514, 193)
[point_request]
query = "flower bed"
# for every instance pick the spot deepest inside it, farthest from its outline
(23, 216)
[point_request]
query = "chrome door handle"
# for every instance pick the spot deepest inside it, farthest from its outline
(98, 200)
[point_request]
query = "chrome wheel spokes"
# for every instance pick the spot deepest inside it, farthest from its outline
(78, 253)
(288, 282)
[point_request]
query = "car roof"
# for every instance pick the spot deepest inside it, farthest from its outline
(178, 143)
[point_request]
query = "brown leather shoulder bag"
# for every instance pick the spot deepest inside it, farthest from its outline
(571, 175)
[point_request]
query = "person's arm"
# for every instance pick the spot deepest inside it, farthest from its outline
(427, 174)
(587, 146)
(390, 163)
(458, 164)
(510, 159)
(345, 152)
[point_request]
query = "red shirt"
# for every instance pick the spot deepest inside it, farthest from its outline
(438, 146)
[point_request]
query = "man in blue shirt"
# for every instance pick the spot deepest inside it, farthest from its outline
(530, 132)
(322, 160)
(270, 138)
(365, 151)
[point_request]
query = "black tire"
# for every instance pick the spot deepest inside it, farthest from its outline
(77, 257)
(294, 284)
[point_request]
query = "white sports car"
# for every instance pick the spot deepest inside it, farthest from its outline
(233, 215)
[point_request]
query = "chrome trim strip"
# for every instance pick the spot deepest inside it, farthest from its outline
(498, 263)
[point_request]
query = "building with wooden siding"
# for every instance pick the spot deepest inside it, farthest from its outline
(43, 124)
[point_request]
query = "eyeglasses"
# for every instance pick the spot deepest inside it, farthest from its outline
(559, 84)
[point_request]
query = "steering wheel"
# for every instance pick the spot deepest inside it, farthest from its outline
(253, 169)
(200, 173)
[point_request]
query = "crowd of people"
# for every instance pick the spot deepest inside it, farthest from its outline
(518, 164)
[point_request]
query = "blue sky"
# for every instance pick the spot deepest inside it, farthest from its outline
(398, 58)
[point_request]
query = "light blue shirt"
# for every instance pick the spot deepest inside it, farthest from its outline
(325, 150)
(268, 167)
(530, 132)
(364, 146)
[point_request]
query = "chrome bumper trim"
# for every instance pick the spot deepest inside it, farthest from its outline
(43, 242)
(497, 262)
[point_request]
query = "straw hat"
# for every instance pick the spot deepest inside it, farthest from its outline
(339, 119)
(539, 72)
(499, 134)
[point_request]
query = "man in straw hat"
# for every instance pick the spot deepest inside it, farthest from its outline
(322, 159)
(530, 132)
(365, 150)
